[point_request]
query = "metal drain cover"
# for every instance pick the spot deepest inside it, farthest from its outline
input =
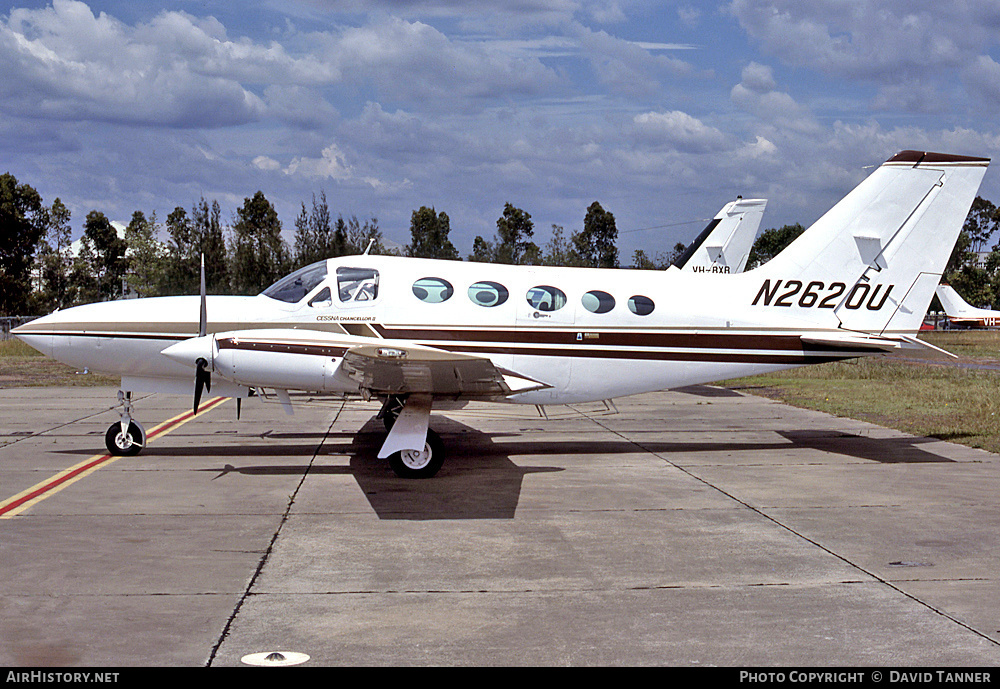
(275, 658)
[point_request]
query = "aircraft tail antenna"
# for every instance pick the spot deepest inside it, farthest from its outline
(369, 247)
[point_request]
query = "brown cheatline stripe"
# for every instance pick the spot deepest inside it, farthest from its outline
(597, 337)
(282, 347)
(593, 338)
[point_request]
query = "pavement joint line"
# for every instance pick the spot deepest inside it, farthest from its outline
(266, 555)
(774, 520)
(20, 438)
(16, 504)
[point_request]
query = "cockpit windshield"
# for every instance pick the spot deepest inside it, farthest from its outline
(292, 288)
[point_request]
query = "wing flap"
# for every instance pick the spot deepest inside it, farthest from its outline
(411, 369)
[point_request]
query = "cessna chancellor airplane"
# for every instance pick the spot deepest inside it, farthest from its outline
(724, 246)
(417, 334)
(963, 315)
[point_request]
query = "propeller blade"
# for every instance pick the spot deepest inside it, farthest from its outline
(238, 400)
(202, 379)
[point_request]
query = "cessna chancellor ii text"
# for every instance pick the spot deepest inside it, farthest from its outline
(415, 334)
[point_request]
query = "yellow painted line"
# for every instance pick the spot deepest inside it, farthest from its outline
(16, 504)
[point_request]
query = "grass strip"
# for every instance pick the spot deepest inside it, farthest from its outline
(21, 366)
(958, 403)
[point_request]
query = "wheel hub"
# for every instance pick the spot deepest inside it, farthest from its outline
(416, 459)
(123, 441)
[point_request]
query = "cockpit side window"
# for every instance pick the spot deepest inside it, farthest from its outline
(292, 288)
(357, 284)
(322, 299)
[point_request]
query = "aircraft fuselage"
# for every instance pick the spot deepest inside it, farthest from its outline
(585, 334)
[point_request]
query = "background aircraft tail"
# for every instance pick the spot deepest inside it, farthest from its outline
(724, 245)
(954, 305)
(875, 258)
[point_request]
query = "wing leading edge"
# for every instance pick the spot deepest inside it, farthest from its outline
(315, 360)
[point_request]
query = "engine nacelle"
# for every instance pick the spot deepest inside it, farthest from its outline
(269, 362)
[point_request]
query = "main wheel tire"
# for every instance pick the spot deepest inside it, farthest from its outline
(125, 444)
(423, 464)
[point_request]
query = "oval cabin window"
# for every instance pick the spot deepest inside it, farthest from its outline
(488, 293)
(597, 301)
(640, 305)
(433, 290)
(546, 298)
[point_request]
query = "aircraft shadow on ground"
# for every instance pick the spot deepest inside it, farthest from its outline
(478, 479)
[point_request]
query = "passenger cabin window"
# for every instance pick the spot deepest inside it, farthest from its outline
(640, 305)
(546, 298)
(433, 290)
(597, 301)
(488, 293)
(292, 288)
(356, 285)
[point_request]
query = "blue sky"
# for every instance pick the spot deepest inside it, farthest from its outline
(661, 111)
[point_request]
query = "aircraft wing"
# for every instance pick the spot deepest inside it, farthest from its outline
(406, 368)
(304, 359)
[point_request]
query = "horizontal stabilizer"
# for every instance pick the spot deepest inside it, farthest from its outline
(852, 342)
(912, 347)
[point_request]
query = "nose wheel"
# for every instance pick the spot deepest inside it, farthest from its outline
(125, 443)
(127, 437)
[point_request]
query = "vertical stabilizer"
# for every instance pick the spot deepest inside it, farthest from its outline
(954, 306)
(875, 259)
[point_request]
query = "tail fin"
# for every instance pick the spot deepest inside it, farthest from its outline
(875, 259)
(724, 245)
(954, 305)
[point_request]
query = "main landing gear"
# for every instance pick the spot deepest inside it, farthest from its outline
(413, 414)
(126, 437)
(419, 464)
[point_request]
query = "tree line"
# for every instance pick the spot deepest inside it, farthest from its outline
(39, 273)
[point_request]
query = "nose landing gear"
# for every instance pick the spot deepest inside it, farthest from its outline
(127, 437)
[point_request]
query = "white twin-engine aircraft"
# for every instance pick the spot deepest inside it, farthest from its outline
(417, 333)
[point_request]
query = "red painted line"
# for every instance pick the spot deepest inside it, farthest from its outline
(46, 487)
(58, 480)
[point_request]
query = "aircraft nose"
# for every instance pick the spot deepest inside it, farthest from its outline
(33, 336)
(43, 343)
(188, 352)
